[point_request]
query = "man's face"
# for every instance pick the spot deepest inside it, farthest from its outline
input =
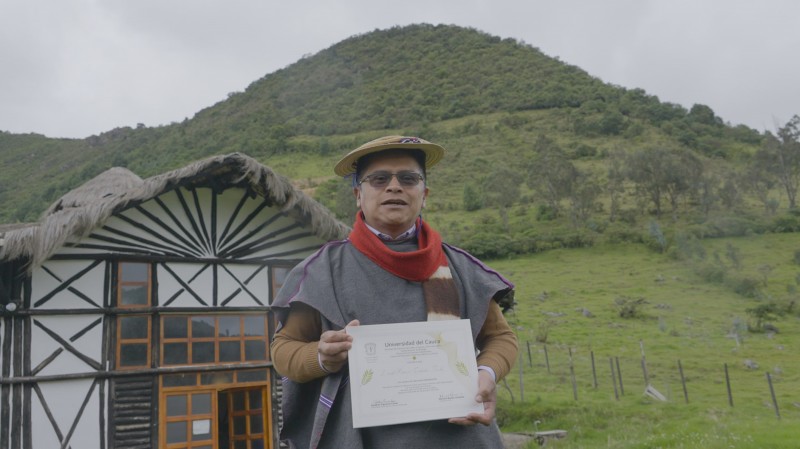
(391, 209)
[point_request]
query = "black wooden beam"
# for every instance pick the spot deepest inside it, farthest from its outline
(134, 372)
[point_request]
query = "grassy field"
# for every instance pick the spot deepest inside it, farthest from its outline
(567, 315)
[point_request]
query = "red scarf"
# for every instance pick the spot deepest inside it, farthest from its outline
(414, 266)
(427, 265)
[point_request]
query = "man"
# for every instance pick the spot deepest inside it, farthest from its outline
(393, 268)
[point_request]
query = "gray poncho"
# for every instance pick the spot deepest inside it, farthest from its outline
(343, 284)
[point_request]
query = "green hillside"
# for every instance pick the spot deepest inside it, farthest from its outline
(569, 311)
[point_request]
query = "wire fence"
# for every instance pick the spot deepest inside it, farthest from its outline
(587, 372)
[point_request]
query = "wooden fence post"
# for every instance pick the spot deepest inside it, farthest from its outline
(572, 375)
(594, 371)
(619, 376)
(683, 382)
(546, 359)
(774, 399)
(521, 384)
(644, 365)
(613, 378)
(728, 384)
(530, 360)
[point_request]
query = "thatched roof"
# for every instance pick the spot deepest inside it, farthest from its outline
(88, 206)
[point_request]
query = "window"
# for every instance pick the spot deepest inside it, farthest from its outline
(189, 419)
(213, 339)
(237, 377)
(133, 341)
(133, 331)
(133, 284)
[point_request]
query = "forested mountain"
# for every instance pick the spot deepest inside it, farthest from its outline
(530, 138)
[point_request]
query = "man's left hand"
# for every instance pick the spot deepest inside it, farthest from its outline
(487, 395)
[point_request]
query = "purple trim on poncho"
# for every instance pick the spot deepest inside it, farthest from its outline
(326, 401)
(476, 261)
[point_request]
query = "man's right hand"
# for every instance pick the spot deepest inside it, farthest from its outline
(333, 347)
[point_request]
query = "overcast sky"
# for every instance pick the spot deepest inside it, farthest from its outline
(73, 68)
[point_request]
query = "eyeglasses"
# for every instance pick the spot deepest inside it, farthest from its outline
(380, 179)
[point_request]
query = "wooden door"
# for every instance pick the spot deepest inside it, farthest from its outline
(248, 424)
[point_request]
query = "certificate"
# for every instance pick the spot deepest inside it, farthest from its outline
(409, 372)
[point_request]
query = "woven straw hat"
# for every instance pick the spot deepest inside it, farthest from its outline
(433, 152)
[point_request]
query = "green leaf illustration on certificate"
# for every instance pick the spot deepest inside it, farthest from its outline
(366, 377)
(451, 349)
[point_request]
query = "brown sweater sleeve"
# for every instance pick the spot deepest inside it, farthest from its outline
(294, 347)
(497, 343)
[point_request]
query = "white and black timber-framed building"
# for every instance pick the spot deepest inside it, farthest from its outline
(136, 313)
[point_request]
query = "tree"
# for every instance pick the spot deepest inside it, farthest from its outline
(598, 118)
(337, 195)
(781, 153)
(472, 198)
(682, 175)
(615, 186)
(661, 173)
(501, 187)
(346, 206)
(708, 190)
(734, 255)
(759, 180)
(550, 173)
(700, 113)
(728, 192)
(763, 313)
(583, 198)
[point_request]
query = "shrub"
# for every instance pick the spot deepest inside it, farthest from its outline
(473, 199)
(546, 213)
(712, 272)
(629, 307)
(725, 227)
(763, 313)
(619, 233)
(489, 245)
(745, 286)
(584, 150)
(786, 223)
(542, 331)
(629, 216)
(657, 240)
(687, 247)
(566, 238)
